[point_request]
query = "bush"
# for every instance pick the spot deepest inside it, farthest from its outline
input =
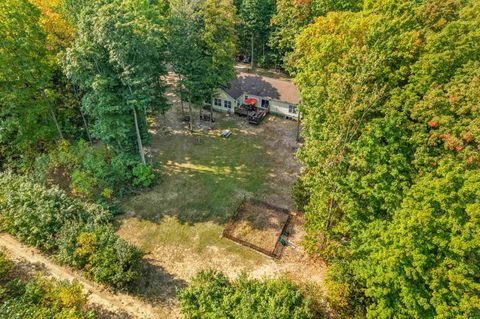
(5, 266)
(78, 234)
(36, 214)
(42, 299)
(94, 173)
(212, 295)
(83, 184)
(100, 252)
(144, 175)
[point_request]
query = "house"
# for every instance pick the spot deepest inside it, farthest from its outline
(280, 96)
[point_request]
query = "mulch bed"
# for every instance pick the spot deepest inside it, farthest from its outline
(258, 225)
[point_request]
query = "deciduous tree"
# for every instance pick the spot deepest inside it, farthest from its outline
(118, 60)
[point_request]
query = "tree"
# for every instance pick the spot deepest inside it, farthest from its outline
(255, 28)
(65, 97)
(118, 60)
(218, 35)
(291, 16)
(186, 52)
(390, 118)
(425, 263)
(25, 117)
(202, 48)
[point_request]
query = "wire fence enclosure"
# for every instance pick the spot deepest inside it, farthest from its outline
(259, 226)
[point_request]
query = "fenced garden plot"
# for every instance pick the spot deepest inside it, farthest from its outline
(260, 226)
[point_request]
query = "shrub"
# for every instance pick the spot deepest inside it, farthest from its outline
(78, 234)
(83, 184)
(36, 214)
(42, 299)
(212, 295)
(100, 252)
(87, 171)
(144, 175)
(5, 266)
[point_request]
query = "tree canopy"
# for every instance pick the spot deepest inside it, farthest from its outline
(390, 128)
(118, 59)
(25, 122)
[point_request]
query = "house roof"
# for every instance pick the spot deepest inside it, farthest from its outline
(254, 84)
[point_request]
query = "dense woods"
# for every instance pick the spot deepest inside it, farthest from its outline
(392, 161)
(390, 125)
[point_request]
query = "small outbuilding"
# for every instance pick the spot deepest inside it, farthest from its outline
(280, 97)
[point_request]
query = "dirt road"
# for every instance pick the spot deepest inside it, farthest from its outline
(122, 304)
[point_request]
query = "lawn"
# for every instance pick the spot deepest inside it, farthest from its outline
(203, 176)
(203, 179)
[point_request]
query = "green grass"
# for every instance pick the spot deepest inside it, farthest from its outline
(203, 178)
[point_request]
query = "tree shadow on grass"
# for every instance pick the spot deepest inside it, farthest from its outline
(156, 285)
(205, 180)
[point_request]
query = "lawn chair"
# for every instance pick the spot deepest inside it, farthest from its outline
(226, 133)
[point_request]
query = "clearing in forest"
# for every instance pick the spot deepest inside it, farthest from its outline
(203, 179)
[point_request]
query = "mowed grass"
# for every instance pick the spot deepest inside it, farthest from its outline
(203, 178)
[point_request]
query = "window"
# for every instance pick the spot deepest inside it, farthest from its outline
(228, 104)
(292, 109)
(218, 102)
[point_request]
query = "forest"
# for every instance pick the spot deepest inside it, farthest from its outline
(389, 184)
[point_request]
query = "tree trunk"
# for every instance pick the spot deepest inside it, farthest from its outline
(251, 57)
(298, 126)
(183, 111)
(56, 123)
(211, 111)
(85, 123)
(190, 112)
(52, 113)
(263, 49)
(139, 138)
(86, 128)
(137, 130)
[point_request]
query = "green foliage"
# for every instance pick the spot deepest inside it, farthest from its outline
(25, 122)
(42, 298)
(201, 38)
(77, 233)
(6, 266)
(255, 16)
(144, 175)
(430, 250)
(95, 173)
(292, 16)
(212, 295)
(391, 124)
(117, 60)
(36, 214)
(100, 252)
(83, 184)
